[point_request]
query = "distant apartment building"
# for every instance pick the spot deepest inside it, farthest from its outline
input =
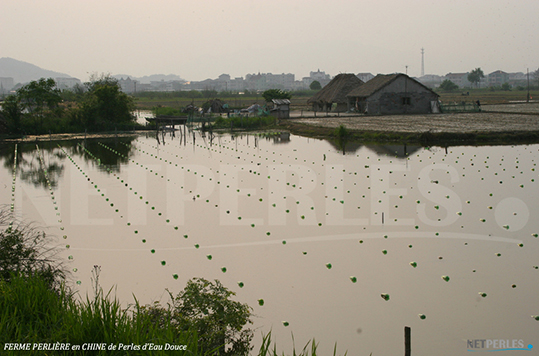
(497, 78)
(365, 77)
(6, 84)
(257, 82)
(460, 79)
(128, 85)
(431, 80)
(67, 83)
(265, 81)
(318, 76)
(165, 85)
(236, 85)
(519, 79)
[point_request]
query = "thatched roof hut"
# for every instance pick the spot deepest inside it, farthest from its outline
(393, 94)
(373, 85)
(215, 106)
(335, 91)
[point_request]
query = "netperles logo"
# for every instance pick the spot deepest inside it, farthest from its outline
(484, 345)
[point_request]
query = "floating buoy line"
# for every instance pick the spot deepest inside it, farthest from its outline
(13, 187)
(54, 202)
(126, 185)
(342, 200)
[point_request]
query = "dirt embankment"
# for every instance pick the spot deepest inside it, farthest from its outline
(519, 126)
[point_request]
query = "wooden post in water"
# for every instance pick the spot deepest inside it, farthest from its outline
(407, 341)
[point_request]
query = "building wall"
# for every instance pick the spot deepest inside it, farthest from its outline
(365, 77)
(67, 83)
(498, 78)
(389, 100)
(6, 83)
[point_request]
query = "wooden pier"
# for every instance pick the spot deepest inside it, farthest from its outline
(167, 120)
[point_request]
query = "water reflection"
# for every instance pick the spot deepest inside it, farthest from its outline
(33, 160)
(42, 160)
(316, 235)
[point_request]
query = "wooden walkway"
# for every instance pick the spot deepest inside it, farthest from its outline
(168, 120)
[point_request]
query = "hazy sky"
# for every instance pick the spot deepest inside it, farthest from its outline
(199, 39)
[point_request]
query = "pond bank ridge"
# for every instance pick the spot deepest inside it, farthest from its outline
(483, 127)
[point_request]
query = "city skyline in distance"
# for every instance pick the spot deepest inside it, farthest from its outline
(204, 39)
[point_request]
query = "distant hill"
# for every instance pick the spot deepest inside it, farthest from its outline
(23, 72)
(147, 79)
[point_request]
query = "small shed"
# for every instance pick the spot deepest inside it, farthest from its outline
(335, 93)
(281, 108)
(393, 94)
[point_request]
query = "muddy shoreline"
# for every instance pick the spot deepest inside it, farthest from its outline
(440, 129)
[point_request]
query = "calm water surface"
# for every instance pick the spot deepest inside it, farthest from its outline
(317, 234)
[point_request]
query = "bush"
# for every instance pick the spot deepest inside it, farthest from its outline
(23, 251)
(206, 307)
(448, 85)
(31, 312)
(251, 122)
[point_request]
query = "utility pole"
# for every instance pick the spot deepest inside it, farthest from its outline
(422, 62)
(528, 97)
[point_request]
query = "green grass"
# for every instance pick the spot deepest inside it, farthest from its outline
(32, 312)
(255, 122)
(487, 96)
(37, 308)
(310, 348)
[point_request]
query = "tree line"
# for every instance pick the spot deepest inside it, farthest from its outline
(477, 74)
(40, 108)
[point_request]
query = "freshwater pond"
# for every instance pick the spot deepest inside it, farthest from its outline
(310, 236)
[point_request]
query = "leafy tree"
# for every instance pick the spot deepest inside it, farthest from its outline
(41, 99)
(475, 76)
(75, 94)
(506, 87)
(219, 320)
(315, 85)
(270, 94)
(536, 76)
(194, 94)
(24, 251)
(12, 112)
(206, 307)
(448, 85)
(105, 105)
(209, 93)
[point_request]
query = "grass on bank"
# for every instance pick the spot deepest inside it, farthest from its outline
(249, 123)
(32, 312)
(37, 306)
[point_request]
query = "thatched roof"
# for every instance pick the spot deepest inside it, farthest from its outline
(336, 90)
(216, 106)
(377, 83)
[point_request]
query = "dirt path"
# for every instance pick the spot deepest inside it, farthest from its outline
(434, 123)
